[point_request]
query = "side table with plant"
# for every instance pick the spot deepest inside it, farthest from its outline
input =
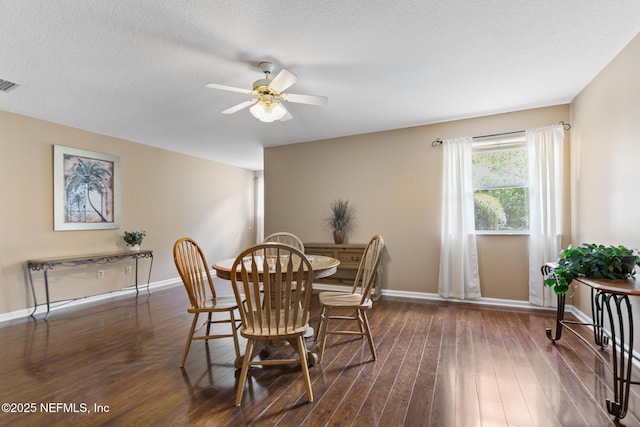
(592, 260)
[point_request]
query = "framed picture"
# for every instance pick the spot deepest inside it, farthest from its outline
(86, 187)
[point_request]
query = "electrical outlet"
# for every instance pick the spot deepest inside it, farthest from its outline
(100, 274)
(127, 269)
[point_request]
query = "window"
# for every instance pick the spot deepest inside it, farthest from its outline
(500, 184)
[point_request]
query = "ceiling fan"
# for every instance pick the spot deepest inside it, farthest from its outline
(269, 95)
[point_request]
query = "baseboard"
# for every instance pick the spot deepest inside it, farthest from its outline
(58, 305)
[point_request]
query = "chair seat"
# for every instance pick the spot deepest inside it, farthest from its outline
(266, 333)
(216, 304)
(344, 300)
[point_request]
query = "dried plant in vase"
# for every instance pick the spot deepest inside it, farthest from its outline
(341, 219)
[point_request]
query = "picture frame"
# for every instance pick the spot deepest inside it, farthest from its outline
(86, 189)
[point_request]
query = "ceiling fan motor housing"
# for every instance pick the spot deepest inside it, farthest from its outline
(262, 86)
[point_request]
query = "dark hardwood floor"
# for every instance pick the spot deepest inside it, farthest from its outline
(439, 364)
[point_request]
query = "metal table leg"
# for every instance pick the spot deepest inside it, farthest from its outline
(45, 269)
(622, 357)
(149, 276)
(559, 320)
(597, 314)
(33, 291)
(46, 288)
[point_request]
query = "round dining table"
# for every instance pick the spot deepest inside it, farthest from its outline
(322, 266)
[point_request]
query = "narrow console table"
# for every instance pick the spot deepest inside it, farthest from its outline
(609, 301)
(46, 264)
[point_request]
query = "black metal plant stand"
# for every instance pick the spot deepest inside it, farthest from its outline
(609, 298)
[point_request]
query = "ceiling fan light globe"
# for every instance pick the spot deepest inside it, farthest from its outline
(277, 110)
(268, 112)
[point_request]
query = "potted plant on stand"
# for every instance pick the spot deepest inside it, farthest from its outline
(341, 219)
(592, 260)
(133, 239)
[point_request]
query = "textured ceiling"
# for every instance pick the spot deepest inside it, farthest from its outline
(137, 69)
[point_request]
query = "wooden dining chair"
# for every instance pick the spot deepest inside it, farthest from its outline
(196, 277)
(285, 275)
(358, 301)
(286, 238)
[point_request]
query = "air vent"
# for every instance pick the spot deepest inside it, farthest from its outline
(6, 85)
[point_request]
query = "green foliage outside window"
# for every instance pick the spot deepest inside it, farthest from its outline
(489, 212)
(502, 209)
(500, 179)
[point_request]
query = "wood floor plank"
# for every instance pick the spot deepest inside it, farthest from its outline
(466, 387)
(484, 363)
(421, 403)
(557, 378)
(376, 401)
(350, 407)
(443, 409)
(345, 357)
(510, 387)
(395, 410)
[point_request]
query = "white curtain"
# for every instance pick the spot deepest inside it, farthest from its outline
(545, 149)
(458, 252)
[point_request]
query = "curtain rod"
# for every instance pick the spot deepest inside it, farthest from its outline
(435, 143)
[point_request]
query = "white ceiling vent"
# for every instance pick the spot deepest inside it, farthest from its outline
(6, 85)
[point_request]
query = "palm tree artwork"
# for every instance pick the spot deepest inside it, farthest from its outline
(88, 189)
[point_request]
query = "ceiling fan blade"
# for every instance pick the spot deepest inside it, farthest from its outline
(305, 99)
(287, 116)
(230, 88)
(240, 106)
(282, 81)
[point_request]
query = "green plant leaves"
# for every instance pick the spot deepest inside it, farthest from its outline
(592, 260)
(133, 237)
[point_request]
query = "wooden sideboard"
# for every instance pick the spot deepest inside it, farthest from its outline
(349, 255)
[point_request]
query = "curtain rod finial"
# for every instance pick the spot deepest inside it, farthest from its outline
(436, 142)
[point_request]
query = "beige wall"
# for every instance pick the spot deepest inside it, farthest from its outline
(167, 194)
(393, 178)
(605, 159)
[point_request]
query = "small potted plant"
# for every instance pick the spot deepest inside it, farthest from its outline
(341, 219)
(133, 239)
(592, 260)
